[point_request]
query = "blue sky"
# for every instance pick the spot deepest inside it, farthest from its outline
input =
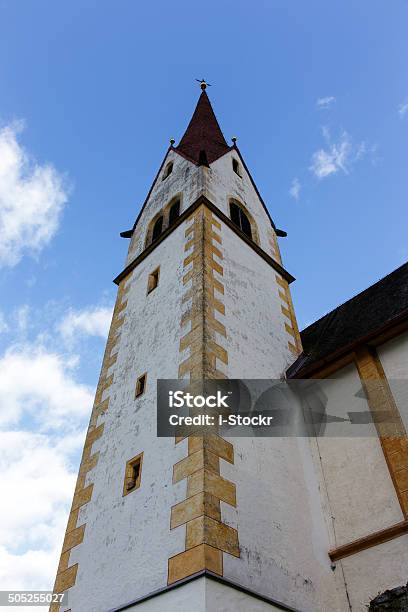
(91, 92)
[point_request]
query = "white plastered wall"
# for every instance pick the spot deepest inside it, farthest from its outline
(257, 341)
(127, 539)
(359, 499)
(375, 570)
(282, 531)
(394, 358)
(361, 494)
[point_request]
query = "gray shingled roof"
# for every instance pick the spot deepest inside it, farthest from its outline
(358, 318)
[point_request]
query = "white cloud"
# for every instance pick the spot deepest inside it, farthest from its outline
(44, 410)
(341, 155)
(90, 321)
(32, 570)
(326, 102)
(33, 468)
(32, 197)
(403, 109)
(294, 190)
(40, 384)
(43, 413)
(38, 481)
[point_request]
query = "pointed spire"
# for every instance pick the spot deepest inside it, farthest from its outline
(203, 139)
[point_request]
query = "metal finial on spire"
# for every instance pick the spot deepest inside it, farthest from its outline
(203, 83)
(172, 141)
(234, 139)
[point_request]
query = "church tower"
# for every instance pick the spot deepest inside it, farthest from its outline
(204, 524)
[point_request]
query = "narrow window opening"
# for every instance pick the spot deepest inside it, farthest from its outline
(234, 209)
(202, 158)
(133, 474)
(153, 280)
(245, 224)
(157, 228)
(235, 166)
(168, 170)
(174, 212)
(240, 219)
(140, 385)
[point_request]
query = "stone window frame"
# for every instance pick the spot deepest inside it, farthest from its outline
(254, 227)
(168, 170)
(153, 280)
(138, 392)
(129, 474)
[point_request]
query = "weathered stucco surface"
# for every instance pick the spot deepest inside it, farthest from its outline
(360, 491)
(375, 570)
(394, 359)
(127, 539)
(257, 341)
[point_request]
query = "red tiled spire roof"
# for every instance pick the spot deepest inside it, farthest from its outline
(203, 142)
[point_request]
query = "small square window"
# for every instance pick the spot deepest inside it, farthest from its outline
(153, 280)
(133, 474)
(140, 385)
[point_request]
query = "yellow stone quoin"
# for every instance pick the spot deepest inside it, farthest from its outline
(392, 433)
(207, 537)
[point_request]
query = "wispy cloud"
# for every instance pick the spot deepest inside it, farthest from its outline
(403, 109)
(93, 321)
(22, 317)
(32, 196)
(295, 188)
(334, 158)
(326, 102)
(338, 156)
(3, 323)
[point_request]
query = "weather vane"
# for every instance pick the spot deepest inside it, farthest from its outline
(203, 83)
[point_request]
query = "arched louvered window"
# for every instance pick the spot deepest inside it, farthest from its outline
(157, 228)
(240, 219)
(174, 212)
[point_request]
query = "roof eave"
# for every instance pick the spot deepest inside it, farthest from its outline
(297, 371)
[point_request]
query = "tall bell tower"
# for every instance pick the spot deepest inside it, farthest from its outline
(196, 523)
